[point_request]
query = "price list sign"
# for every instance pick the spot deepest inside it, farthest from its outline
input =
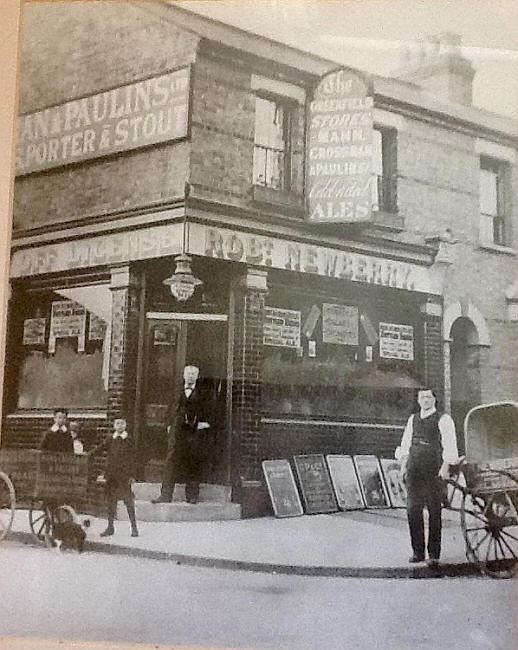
(340, 166)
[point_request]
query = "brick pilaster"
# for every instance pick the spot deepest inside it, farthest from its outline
(124, 345)
(247, 370)
(433, 349)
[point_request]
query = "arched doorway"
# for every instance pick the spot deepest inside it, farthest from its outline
(464, 372)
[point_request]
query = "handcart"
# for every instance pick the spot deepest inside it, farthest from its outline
(7, 504)
(61, 485)
(49, 485)
(486, 484)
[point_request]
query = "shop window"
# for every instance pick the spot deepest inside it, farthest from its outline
(384, 189)
(277, 162)
(340, 360)
(64, 346)
(493, 201)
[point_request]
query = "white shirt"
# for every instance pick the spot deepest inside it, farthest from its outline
(122, 435)
(188, 389)
(56, 428)
(78, 446)
(450, 453)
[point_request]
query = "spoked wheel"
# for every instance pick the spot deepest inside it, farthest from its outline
(7, 504)
(490, 528)
(41, 520)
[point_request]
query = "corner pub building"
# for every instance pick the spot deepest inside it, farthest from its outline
(347, 249)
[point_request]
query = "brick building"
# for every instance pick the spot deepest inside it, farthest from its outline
(152, 132)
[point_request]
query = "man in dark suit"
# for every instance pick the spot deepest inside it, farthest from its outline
(58, 438)
(187, 425)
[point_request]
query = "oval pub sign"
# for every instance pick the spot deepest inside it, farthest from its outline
(340, 178)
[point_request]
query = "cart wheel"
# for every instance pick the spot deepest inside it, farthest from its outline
(490, 528)
(7, 504)
(40, 520)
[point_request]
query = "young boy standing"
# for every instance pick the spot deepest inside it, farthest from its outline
(119, 475)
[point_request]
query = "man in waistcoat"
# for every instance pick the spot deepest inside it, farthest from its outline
(428, 448)
(187, 425)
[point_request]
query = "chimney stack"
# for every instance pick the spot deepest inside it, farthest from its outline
(439, 68)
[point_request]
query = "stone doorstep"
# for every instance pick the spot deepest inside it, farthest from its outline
(181, 511)
(208, 492)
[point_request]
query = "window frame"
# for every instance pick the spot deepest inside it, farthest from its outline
(387, 182)
(500, 220)
(289, 105)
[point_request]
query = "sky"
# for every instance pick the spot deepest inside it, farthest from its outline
(370, 34)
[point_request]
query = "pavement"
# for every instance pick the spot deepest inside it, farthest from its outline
(368, 543)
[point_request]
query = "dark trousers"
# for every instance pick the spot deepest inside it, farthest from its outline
(115, 493)
(183, 463)
(424, 489)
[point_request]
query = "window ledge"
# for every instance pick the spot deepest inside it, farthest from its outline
(390, 221)
(496, 248)
(278, 198)
(72, 413)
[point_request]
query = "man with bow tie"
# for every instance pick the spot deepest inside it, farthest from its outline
(187, 423)
(58, 438)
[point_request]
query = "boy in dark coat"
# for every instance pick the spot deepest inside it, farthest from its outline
(119, 475)
(58, 438)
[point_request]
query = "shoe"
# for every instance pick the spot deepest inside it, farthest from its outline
(108, 532)
(161, 500)
(414, 559)
(432, 562)
(134, 533)
(193, 501)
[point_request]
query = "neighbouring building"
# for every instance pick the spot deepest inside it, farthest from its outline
(355, 236)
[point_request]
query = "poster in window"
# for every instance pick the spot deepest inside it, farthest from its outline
(340, 324)
(372, 484)
(396, 341)
(281, 327)
(34, 331)
(97, 328)
(67, 319)
(311, 321)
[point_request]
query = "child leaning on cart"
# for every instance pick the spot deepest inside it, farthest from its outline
(119, 474)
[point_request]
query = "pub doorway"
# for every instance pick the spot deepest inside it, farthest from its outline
(174, 340)
(465, 373)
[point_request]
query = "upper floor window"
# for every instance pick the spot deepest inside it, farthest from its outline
(384, 187)
(493, 199)
(274, 160)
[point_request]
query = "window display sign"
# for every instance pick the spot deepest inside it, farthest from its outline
(396, 341)
(394, 480)
(281, 488)
(281, 327)
(139, 114)
(34, 331)
(96, 329)
(345, 482)
(339, 166)
(339, 324)
(67, 319)
(315, 484)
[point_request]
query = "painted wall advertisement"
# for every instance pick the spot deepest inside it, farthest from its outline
(281, 327)
(34, 331)
(67, 319)
(139, 114)
(340, 324)
(340, 169)
(396, 341)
